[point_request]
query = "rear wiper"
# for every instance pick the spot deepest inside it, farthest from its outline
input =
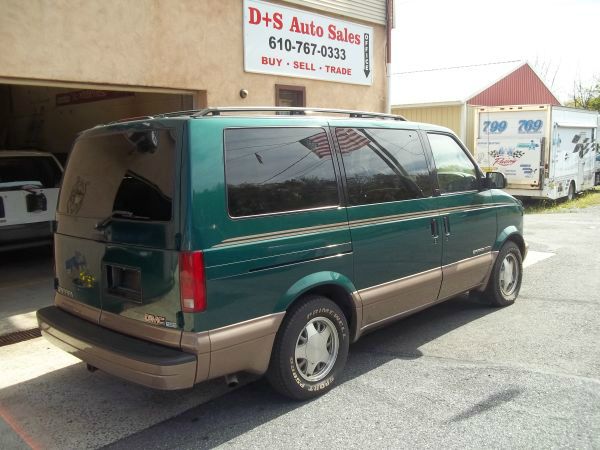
(118, 215)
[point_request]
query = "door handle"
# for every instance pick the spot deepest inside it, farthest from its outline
(434, 230)
(447, 231)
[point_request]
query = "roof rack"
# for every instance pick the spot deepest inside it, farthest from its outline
(130, 119)
(189, 112)
(294, 111)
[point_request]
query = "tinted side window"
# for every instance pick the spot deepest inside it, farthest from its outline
(271, 170)
(383, 165)
(455, 170)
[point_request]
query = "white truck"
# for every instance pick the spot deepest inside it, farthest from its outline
(597, 177)
(29, 185)
(543, 151)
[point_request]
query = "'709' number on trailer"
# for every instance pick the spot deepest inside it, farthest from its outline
(530, 126)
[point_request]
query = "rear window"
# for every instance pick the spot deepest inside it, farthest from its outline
(38, 170)
(272, 170)
(128, 175)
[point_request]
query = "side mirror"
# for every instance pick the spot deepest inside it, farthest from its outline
(494, 180)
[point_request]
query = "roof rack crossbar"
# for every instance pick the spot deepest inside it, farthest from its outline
(130, 119)
(295, 111)
(187, 112)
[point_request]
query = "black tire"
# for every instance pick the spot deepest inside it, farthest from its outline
(288, 375)
(497, 293)
(571, 192)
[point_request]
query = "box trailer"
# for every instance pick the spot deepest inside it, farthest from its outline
(597, 170)
(543, 151)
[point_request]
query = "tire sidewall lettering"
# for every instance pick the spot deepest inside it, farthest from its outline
(295, 375)
(284, 374)
(329, 314)
(321, 384)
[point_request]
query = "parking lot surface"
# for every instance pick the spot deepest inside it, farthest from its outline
(25, 286)
(460, 374)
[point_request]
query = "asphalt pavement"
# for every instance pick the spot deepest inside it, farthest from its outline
(25, 286)
(458, 375)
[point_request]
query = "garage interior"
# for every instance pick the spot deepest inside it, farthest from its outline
(48, 118)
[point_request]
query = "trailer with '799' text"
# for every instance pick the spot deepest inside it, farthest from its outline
(543, 151)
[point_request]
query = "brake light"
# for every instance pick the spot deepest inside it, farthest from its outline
(192, 282)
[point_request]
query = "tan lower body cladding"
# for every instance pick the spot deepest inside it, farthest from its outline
(247, 346)
(390, 301)
(244, 346)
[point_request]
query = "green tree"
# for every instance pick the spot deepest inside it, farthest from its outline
(586, 97)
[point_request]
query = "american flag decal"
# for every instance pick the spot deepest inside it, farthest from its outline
(350, 139)
(318, 144)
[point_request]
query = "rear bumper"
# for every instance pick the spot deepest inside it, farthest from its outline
(133, 359)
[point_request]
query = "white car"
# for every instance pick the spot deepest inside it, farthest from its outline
(29, 185)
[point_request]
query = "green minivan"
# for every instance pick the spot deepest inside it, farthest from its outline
(201, 244)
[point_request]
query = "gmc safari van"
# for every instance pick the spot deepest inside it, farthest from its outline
(201, 244)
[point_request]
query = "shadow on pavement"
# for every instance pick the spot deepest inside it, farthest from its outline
(24, 258)
(218, 421)
(58, 407)
(72, 408)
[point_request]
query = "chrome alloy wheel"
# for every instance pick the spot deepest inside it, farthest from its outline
(509, 275)
(317, 349)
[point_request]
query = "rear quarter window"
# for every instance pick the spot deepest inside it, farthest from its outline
(274, 170)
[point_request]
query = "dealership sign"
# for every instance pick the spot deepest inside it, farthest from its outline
(286, 41)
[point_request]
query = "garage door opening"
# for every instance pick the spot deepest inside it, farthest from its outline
(48, 118)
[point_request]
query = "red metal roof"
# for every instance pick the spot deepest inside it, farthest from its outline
(521, 87)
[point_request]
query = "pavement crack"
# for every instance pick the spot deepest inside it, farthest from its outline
(561, 300)
(414, 355)
(396, 355)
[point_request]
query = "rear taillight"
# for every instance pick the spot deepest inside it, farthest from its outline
(192, 282)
